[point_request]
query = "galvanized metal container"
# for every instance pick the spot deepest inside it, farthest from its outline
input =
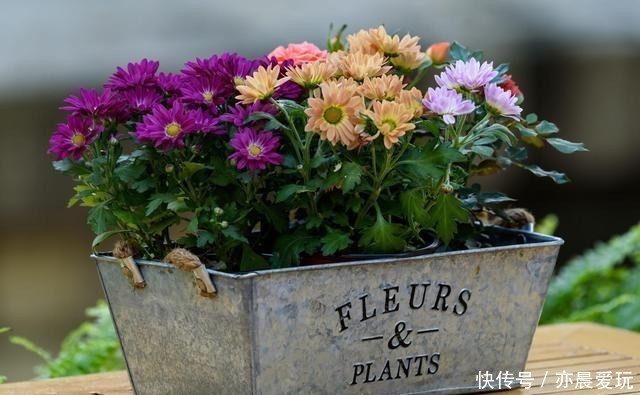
(415, 325)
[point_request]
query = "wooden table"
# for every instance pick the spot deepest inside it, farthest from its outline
(571, 348)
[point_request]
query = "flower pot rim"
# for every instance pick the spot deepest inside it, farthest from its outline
(533, 240)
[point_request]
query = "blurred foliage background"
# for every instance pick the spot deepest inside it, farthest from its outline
(577, 64)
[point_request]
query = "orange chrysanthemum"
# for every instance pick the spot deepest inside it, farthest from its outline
(261, 85)
(310, 75)
(411, 99)
(334, 110)
(386, 87)
(393, 120)
(359, 65)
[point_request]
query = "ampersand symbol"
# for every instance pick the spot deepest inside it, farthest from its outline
(398, 339)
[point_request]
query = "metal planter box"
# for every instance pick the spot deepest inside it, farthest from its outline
(417, 325)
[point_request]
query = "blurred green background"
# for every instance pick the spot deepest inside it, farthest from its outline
(576, 62)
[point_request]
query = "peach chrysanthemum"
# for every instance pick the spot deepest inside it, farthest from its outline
(358, 65)
(411, 99)
(393, 120)
(334, 110)
(361, 42)
(409, 59)
(261, 85)
(310, 75)
(386, 87)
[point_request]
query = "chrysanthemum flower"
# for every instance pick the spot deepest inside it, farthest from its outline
(310, 75)
(470, 75)
(411, 99)
(448, 103)
(238, 114)
(165, 128)
(334, 110)
(140, 100)
(386, 87)
(261, 85)
(204, 122)
(359, 65)
(170, 84)
(299, 53)
(501, 102)
(141, 74)
(72, 138)
(289, 89)
(90, 103)
(393, 120)
(203, 91)
(361, 42)
(255, 150)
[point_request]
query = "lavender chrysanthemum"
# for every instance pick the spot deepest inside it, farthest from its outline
(448, 103)
(238, 114)
(501, 102)
(141, 74)
(90, 103)
(470, 75)
(255, 150)
(71, 138)
(165, 128)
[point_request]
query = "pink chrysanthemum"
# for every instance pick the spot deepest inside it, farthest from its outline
(142, 74)
(255, 150)
(165, 128)
(501, 102)
(470, 75)
(448, 103)
(71, 138)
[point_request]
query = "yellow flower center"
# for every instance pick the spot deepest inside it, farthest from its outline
(254, 150)
(173, 129)
(78, 139)
(207, 96)
(333, 115)
(391, 123)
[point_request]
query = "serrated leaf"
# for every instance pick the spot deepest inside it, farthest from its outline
(100, 218)
(233, 233)
(429, 162)
(205, 237)
(566, 147)
(289, 247)
(334, 241)
(130, 172)
(178, 205)
(351, 174)
(105, 235)
(251, 260)
(156, 201)
(413, 206)
(192, 226)
(443, 216)
(383, 236)
(546, 128)
(559, 178)
(289, 190)
(190, 168)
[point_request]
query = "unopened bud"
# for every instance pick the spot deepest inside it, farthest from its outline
(438, 52)
(218, 211)
(446, 188)
(224, 224)
(169, 168)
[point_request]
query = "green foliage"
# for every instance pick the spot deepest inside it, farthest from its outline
(547, 225)
(602, 285)
(91, 348)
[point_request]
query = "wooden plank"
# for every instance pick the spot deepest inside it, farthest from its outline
(113, 383)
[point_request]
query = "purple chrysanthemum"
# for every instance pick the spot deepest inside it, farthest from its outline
(207, 92)
(470, 75)
(238, 114)
(141, 100)
(288, 90)
(501, 102)
(170, 84)
(71, 138)
(141, 74)
(205, 123)
(233, 67)
(90, 103)
(255, 150)
(448, 103)
(165, 128)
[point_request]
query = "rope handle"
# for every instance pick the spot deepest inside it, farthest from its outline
(185, 260)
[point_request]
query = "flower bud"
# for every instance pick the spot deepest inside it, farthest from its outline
(218, 211)
(113, 140)
(169, 168)
(438, 52)
(446, 188)
(224, 224)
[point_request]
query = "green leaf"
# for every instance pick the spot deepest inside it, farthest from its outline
(157, 200)
(105, 235)
(351, 175)
(192, 226)
(334, 241)
(429, 162)
(531, 118)
(289, 190)
(4, 329)
(459, 52)
(383, 236)
(205, 237)
(100, 218)
(546, 128)
(31, 346)
(525, 131)
(129, 172)
(288, 248)
(190, 168)
(413, 206)
(557, 177)
(482, 150)
(566, 147)
(261, 116)
(251, 260)
(445, 212)
(178, 205)
(233, 233)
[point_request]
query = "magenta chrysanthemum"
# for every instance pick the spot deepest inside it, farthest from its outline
(165, 128)
(141, 74)
(90, 103)
(141, 100)
(71, 138)
(255, 150)
(203, 91)
(205, 123)
(448, 103)
(501, 102)
(470, 75)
